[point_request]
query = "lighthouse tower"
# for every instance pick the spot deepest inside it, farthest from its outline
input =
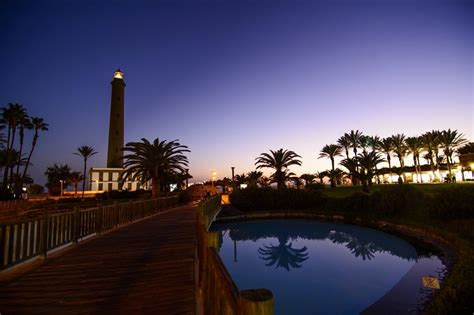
(116, 122)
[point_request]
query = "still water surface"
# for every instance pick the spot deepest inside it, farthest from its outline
(314, 267)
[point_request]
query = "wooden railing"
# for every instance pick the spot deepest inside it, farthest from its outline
(27, 239)
(217, 293)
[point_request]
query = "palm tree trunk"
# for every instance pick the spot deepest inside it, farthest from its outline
(5, 172)
(84, 179)
(390, 167)
(33, 145)
(155, 187)
(22, 137)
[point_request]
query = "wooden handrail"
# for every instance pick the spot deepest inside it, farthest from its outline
(27, 239)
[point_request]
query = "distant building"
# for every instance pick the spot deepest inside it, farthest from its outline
(108, 178)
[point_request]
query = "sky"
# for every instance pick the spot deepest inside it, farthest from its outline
(233, 79)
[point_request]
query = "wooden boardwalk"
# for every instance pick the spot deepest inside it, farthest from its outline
(146, 267)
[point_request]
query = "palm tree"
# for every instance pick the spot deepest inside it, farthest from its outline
(85, 152)
(75, 178)
(11, 116)
(367, 162)
(253, 178)
(241, 179)
(415, 146)
(431, 141)
(354, 138)
(344, 143)
(321, 175)
(450, 141)
(335, 176)
(308, 178)
(23, 123)
(400, 150)
(386, 146)
(279, 160)
(56, 174)
(38, 125)
(330, 151)
(147, 161)
(373, 143)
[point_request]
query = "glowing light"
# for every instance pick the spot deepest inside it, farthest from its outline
(118, 74)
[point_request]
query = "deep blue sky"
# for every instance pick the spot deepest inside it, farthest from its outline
(232, 79)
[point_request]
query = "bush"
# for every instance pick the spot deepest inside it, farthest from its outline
(453, 203)
(264, 199)
(34, 190)
(315, 186)
(396, 199)
(124, 194)
(357, 202)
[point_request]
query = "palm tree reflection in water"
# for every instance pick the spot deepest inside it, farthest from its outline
(283, 255)
(359, 248)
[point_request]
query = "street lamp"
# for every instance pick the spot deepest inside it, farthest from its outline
(213, 178)
(62, 183)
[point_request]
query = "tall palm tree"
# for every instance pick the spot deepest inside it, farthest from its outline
(321, 175)
(330, 151)
(24, 123)
(85, 152)
(373, 144)
(450, 141)
(345, 144)
(415, 147)
(147, 161)
(354, 138)
(386, 146)
(278, 160)
(11, 116)
(400, 150)
(38, 125)
(430, 141)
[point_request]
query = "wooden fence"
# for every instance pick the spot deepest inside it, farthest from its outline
(27, 239)
(217, 293)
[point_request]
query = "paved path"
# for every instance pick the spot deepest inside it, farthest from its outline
(146, 267)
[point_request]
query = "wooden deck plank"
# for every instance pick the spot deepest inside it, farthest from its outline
(146, 267)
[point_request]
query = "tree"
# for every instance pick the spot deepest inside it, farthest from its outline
(450, 141)
(147, 161)
(345, 144)
(466, 149)
(278, 160)
(415, 146)
(85, 152)
(321, 175)
(400, 150)
(308, 178)
(75, 178)
(253, 178)
(386, 146)
(283, 255)
(241, 179)
(430, 141)
(38, 125)
(367, 162)
(330, 151)
(56, 174)
(354, 138)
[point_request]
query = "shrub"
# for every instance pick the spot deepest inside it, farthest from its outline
(315, 186)
(453, 203)
(264, 199)
(34, 190)
(396, 199)
(357, 202)
(124, 194)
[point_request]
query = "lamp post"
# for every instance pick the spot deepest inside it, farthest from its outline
(62, 183)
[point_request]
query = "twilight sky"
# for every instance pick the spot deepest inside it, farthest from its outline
(232, 79)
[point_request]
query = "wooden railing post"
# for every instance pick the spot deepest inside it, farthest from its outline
(98, 219)
(76, 225)
(45, 234)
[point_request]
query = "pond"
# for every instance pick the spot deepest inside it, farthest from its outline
(317, 267)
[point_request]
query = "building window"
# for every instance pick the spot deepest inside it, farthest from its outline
(101, 186)
(110, 187)
(129, 186)
(101, 177)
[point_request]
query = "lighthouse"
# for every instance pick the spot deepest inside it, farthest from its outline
(116, 122)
